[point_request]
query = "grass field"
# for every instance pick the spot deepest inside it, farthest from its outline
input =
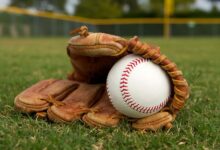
(26, 61)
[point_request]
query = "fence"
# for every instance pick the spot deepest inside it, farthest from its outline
(21, 22)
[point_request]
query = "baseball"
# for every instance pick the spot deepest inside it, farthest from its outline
(137, 87)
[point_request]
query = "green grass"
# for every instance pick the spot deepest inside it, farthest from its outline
(23, 62)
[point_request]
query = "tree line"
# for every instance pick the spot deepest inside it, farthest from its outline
(120, 8)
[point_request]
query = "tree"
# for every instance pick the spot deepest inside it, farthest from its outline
(214, 5)
(23, 3)
(131, 4)
(134, 8)
(183, 5)
(47, 5)
(156, 6)
(98, 9)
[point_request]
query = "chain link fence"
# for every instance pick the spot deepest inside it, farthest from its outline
(16, 25)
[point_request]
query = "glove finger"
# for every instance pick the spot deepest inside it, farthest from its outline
(102, 114)
(154, 122)
(96, 45)
(76, 103)
(38, 97)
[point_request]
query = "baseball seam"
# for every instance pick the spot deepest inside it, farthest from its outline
(126, 94)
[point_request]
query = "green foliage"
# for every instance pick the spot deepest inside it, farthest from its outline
(197, 13)
(152, 9)
(133, 6)
(115, 8)
(157, 6)
(23, 3)
(26, 61)
(98, 9)
(57, 5)
(183, 5)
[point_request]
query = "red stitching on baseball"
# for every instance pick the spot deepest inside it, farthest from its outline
(126, 96)
(123, 82)
(141, 108)
(123, 78)
(125, 92)
(123, 86)
(128, 68)
(128, 99)
(133, 64)
(130, 65)
(125, 75)
(132, 104)
(136, 106)
(126, 71)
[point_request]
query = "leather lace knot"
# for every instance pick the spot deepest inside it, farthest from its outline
(82, 31)
(53, 101)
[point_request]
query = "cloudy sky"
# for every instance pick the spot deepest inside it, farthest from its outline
(4, 3)
(205, 5)
(70, 6)
(202, 4)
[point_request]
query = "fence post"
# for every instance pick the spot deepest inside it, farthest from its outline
(166, 28)
(168, 10)
(1, 29)
(13, 26)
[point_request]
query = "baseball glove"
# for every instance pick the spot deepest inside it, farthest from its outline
(85, 45)
(92, 56)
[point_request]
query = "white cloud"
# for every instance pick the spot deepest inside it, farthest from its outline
(205, 5)
(70, 6)
(4, 3)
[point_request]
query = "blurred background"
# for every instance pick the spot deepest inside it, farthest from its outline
(163, 18)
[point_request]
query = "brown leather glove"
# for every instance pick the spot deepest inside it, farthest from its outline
(92, 56)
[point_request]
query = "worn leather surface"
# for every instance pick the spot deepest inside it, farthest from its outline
(36, 98)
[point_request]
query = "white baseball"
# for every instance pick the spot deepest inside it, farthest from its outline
(137, 87)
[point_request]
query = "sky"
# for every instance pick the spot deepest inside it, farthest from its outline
(201, 4)
(70, 6)
(205, 5)
(4, 3)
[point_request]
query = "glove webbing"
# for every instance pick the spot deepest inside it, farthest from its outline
(181, 88)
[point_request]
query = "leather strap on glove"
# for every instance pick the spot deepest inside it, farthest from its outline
(180, 87)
